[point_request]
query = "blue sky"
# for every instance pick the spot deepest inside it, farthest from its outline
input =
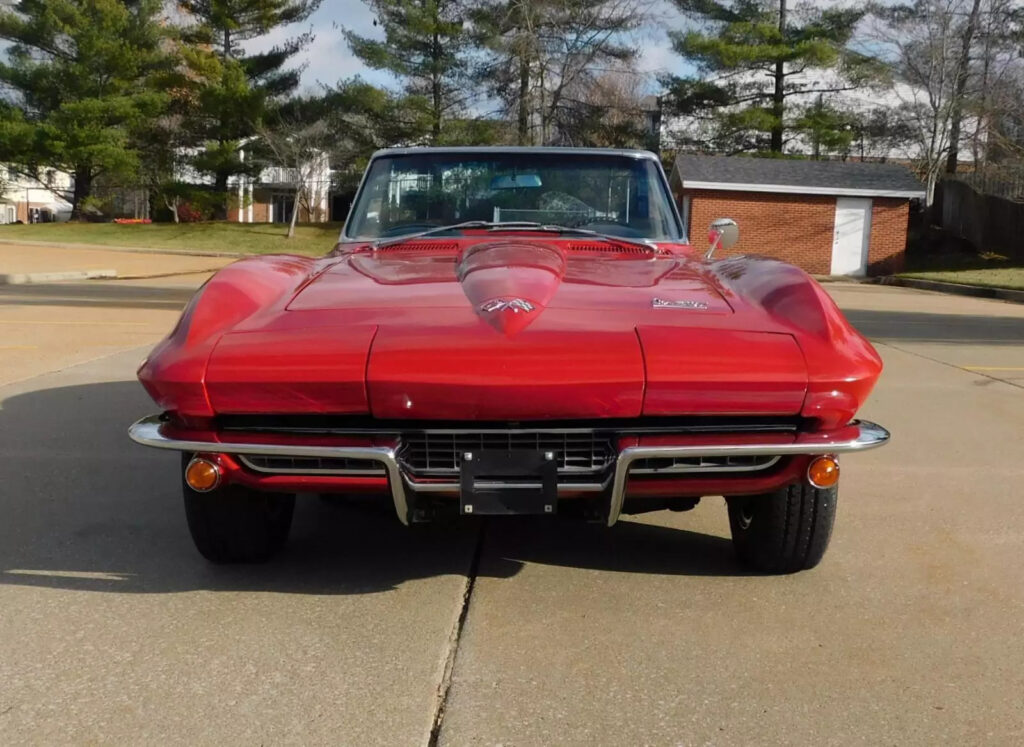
(328, 58)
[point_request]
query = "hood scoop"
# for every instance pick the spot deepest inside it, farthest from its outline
(508, 283)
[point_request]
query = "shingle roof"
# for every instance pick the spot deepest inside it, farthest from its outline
(797, 176)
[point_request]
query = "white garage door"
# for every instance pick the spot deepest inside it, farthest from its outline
(851, 236)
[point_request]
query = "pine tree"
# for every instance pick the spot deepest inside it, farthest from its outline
(425, 46)
(752, 57)
(366, 118)
(236, 90)
(826, 128)
(84, 77)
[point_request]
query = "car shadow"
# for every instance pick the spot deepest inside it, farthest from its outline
(86, 509)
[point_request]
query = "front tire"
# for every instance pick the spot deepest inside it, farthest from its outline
(785, 531)
(233, 524)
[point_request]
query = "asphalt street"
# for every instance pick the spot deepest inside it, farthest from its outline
(114, 630)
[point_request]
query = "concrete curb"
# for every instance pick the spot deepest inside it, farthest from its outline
(150, 276)
(958, 289)
(35, 278)
(841, 279)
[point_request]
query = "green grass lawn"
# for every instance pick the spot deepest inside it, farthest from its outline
(966, 266)
(996, 277)
(241, 238)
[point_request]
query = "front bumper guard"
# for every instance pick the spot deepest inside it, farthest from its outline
(857, 436)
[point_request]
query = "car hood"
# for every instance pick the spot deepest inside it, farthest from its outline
(511, 331)
(509, 284)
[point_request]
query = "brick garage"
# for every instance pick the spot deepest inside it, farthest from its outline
(828, 217)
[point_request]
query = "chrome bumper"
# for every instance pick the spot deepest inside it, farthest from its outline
(858, 436)
(147, 432)
(868, 436)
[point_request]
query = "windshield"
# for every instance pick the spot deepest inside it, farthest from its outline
(615, 195)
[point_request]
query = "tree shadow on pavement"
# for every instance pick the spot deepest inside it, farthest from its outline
(86, 509)
(115, 294)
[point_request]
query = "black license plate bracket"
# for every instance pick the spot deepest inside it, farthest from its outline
(504, 483)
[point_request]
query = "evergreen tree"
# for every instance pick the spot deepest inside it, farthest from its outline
(235, 90)
(752, 57)
(84, 77)
(881, 132)
(826, 128)
(426, 47)
(366, 118)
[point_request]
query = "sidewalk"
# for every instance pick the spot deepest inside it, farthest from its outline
(29, 259)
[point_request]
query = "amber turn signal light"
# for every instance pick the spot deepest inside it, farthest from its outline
(823, 471)
(202, 475)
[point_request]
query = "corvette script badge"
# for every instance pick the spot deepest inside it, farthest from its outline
(661, 303)
(515, 305)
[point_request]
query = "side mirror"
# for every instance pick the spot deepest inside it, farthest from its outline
(724, 232)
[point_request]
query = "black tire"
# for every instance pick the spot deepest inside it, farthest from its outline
(233, 524)
(785, 531)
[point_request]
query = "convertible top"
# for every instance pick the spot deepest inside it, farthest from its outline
(506, 150)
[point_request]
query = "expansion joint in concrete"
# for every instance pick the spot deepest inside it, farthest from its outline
(452, 649)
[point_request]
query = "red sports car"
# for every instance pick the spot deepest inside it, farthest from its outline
(513, 331)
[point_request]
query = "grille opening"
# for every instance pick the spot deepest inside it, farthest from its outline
(434, 453)
(601, 248)
(441, 247)
(312, 465)
(660, 465)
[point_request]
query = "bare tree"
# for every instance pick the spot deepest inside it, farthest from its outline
(301, 152)
(609, 110)
(953, 64)
(922, 44)
(996, 81)
(538, 50)
(963, 69)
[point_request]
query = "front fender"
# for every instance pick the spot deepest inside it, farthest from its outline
(842, 366)
(174, 373)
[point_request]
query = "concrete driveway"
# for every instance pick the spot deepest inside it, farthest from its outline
(113, 630)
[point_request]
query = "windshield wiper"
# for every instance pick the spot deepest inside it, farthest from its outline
(521, 225)
(456, 227)
(610, 238)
